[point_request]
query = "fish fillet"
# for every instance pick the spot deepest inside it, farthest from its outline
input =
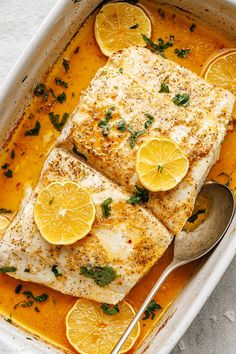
(130, 240)
(128, 87)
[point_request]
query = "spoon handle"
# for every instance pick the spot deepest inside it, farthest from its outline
(146, 302)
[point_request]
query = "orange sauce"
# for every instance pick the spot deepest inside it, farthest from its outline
(30, 152)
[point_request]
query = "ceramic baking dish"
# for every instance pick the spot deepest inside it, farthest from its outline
(51, 38)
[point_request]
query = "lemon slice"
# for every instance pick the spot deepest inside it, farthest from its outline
(160, 164)
(64, 213)
(119, 25)
(220, 69)
(90, 330)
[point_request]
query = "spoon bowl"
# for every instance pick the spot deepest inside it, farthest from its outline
(191, 245)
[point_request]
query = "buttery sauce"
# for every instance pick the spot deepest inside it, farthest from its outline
(26, 155)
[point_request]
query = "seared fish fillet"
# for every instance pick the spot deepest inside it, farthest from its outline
(130, 241)
(127, 89)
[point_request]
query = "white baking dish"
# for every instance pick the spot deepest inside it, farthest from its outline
(15, 93)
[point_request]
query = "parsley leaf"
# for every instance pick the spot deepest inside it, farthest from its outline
(110, 310)
(12, 154)
(159, 47)
(58, 125)
(134, 135)
(66, 64)
(106, 209)
(5, 211)
(7, 269)
(61, 98)
(103, 123)
(55, 270)
(182, 53)
(101, 275)
(160, 168)
(150, 120)
(194, 217)
(164, 87)
(60, 82)
(41, 298)
(140, 195)
(192, 27)
(121, 125)
(78, 153)
(150, 311)
(24, 304)
(40, 90)
(18, 288)
(34, 131)
(181, 99)
(8, 173)
(134, 26)
(5, 166)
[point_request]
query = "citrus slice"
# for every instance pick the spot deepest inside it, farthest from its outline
(90, 330)
(160, 164)
(64, 213)
(119, 25)
(220, 69)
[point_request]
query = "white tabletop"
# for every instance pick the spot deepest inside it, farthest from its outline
(214, 329)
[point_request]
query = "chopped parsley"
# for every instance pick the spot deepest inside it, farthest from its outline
(12, 154)
(24, 304)
(55, 270)
(140, 195)
(103, 123)
(164, 87)
(150, 311)
(18, 288)
(159, 47)
(5, 166)
(134, 26)
(106, 209)
(41, 298)
(55, 119)
(61, 98)
(181, 99)
(121, 125)
(101, 275)
(110, 310)
(27, 270)
(160, 168)
(194, 217)
(150, 120)
(40, 89)
(66, 64)
(78, 153)
(36, 309)
(34, 131)
(8, 173)
(7, 269)
(182, 53)
(134, 135)
(161, 12)
(192, 27)
(5, 211)
(60, 82)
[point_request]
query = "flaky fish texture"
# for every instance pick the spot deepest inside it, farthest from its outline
(130, 240)
(126, 91)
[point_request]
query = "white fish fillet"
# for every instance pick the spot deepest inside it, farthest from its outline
(130, 241)
(129, 84)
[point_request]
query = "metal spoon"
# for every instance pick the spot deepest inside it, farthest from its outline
(189, 246)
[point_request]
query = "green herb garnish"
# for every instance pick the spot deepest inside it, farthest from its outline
(134, 135)
(110, 310)
(194, 217)
(55, 119)
(160, 168)
(66, 64)
(36, 309)
(103, 123)
(61, 98)
(150, 311)
(140, 195)
(106, 209)
(182, 53)
(150, 120)
(34, 131)
(159, 47)
(24, 304)
(164, 87)
(8, 173)
(134, 26)
(7, 269)
(181, 99)
(40, 90)
(60, 82)
(5, 166)
(161, 12)
(121, 125)
(192, 27)
(55, 270)
(12, 154)
(101, 275)
(78, 153)
(5, 211)
(41, 298)
(27, 270)
(18, 288)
